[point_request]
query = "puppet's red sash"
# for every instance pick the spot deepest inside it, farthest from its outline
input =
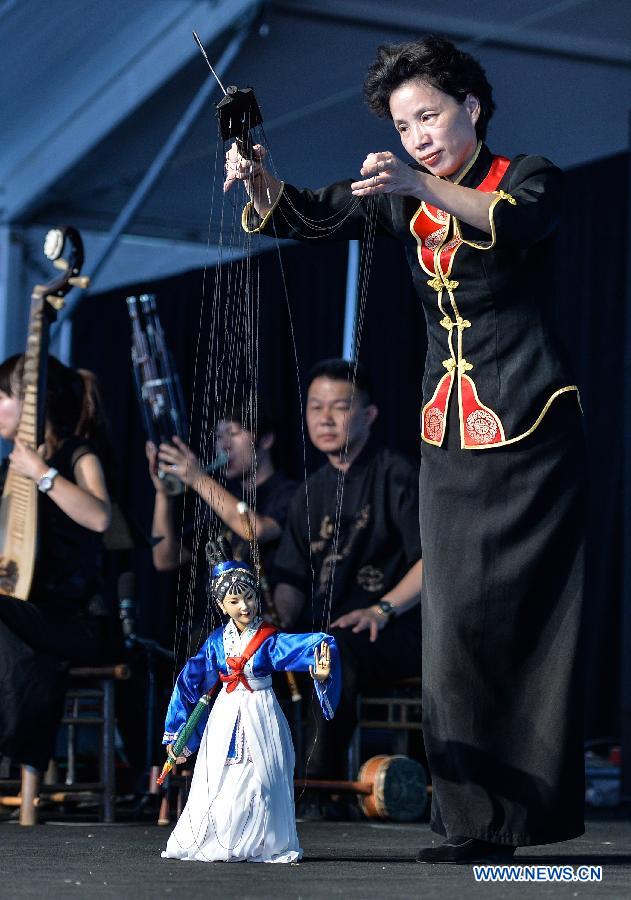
(237, 663)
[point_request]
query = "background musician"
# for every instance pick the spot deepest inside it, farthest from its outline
(63, 621)
(250, 477)
(351, 541)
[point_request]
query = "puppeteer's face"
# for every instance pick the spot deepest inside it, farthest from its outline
(237, 442)
(337, 416)
(241, 607)
(10, 412)
(436, 130)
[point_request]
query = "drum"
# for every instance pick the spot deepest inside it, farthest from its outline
(399, 788)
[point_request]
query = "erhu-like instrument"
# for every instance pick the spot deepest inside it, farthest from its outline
(18, 505)
(157, 382)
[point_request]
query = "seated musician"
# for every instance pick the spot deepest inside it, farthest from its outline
(249, 473)
(365, 554)
(62, 622)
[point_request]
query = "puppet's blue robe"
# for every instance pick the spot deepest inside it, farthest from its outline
(241, 802)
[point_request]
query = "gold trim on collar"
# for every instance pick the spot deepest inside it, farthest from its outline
(467, 167)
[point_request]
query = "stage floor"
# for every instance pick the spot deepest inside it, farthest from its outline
(350, 860)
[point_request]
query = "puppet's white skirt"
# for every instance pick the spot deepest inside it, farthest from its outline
(244, 810)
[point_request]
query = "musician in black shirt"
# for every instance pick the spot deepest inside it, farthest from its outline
(62, 622)
(354, 524)
(248, 496)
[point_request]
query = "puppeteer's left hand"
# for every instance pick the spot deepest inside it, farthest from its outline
(385, 173)
(322, 669)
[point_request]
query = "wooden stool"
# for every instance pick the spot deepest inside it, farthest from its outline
(401, 708)
(175, 788)
(92, 691)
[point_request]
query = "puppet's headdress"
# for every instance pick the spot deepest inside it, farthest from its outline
(228, 576)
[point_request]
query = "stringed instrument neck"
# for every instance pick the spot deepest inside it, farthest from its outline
(29, 428)
(18, 505)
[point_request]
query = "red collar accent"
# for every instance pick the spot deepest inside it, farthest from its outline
(495, 174)
(431, 223)
(237, 663)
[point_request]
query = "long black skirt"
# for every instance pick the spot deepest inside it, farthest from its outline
(502, 535)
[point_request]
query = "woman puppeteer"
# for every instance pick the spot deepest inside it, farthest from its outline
(502, 445)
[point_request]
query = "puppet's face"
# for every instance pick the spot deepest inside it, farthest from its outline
(436, 130)
(242, 607)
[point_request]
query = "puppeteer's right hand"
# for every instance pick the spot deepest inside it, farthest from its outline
(238, 168)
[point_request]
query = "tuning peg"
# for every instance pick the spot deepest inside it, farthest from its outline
(56, 302)
(80, 281)
(60, 264)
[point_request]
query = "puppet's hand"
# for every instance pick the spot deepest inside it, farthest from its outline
(179, 760)
(322, 668)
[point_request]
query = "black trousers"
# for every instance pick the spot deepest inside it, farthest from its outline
(37, 643)
(395, 654)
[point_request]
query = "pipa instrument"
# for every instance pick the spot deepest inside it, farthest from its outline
(18, 505)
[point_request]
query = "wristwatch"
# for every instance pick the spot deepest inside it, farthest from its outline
(385, 608)
(46, 481)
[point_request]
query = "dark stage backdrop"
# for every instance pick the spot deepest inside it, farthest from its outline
(592, 252)
(590, 275)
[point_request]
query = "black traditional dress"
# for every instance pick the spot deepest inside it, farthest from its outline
(501, 498)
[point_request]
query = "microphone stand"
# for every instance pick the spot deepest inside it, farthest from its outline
(153, 650)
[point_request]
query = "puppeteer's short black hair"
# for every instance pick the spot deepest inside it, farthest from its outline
(343, 370)
(436, 61)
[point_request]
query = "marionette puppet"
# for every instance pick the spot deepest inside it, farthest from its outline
(241, 802)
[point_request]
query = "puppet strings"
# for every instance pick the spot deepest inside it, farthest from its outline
(242, 299)
(233, 347)
(188, 611)
(218, 387)
(325, 229)
(232, 342)
(367, 246)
